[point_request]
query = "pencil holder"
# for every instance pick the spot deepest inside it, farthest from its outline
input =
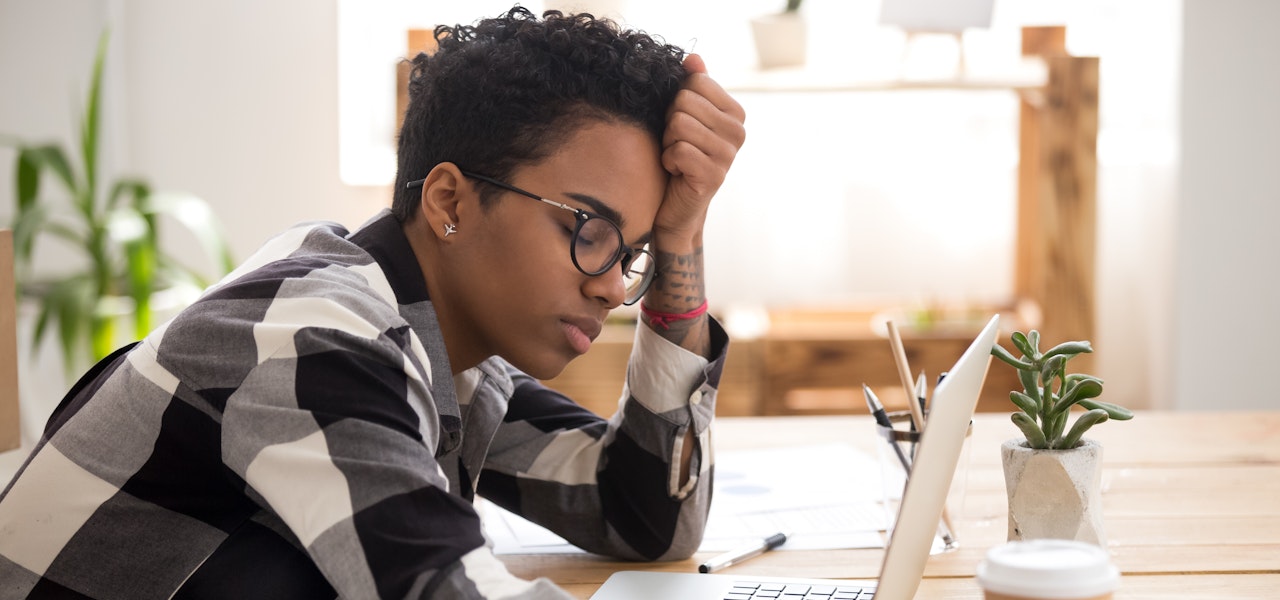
(896, 450)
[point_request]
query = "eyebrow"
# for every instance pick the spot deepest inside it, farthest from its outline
(599, 207)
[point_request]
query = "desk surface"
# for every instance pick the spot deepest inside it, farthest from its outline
(1191, 502)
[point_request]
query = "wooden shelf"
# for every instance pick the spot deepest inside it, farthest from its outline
(1029, 74)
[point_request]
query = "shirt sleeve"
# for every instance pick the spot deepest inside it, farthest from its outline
(613, 486)
(335, 433)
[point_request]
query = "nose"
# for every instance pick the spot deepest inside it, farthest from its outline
(608, 287)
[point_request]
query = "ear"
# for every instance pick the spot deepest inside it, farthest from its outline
(442, 192)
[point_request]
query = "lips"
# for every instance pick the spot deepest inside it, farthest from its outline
(580, 332)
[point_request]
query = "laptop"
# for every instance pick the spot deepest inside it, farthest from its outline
(950, 412)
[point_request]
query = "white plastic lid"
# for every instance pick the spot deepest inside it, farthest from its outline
(1051, 569)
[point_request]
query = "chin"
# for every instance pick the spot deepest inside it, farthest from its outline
(545, 367)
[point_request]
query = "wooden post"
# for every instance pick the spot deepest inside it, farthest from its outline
(1041, 42)
(1057, 192)
(10, 432)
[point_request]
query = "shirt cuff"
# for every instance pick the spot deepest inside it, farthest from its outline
(663, 376)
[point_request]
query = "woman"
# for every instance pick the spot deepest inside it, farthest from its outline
(320, 421)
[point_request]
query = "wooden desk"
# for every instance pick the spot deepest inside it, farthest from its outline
(1192, 504)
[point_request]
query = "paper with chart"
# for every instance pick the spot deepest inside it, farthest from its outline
(828, 495)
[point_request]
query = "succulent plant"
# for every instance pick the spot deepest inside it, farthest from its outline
(1049, 393)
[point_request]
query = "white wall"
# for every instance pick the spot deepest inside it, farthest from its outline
(1226, 310)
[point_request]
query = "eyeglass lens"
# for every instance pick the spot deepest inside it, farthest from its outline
(637, 275)
(597, 247)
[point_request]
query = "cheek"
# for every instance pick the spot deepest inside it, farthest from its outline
(529, 264)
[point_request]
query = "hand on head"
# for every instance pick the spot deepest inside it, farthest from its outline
(703, 135)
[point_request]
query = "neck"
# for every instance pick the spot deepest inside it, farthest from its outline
(459, 345)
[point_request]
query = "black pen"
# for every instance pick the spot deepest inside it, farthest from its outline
(922, 393)
(734, 557)
(882, 419)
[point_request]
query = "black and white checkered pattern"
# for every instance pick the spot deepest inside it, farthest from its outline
(297, 433)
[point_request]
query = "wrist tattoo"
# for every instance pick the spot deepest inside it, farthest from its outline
(679, 287)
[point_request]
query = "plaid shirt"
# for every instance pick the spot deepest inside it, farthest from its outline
(297, 433)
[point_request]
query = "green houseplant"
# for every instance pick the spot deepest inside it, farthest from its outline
(1048, 392)
(1053, 477)
(118, 234)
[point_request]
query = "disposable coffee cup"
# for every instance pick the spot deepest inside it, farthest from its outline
(1048, 570)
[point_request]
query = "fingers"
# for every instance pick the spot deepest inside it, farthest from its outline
(696, 119)
(700, 83)
(703, 133)
(701, 173)
(703, 111)
(693, 63)
(688, 137)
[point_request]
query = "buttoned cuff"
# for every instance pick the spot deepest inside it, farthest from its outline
(666, 378)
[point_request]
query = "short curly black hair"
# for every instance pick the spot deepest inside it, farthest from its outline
(506, 91)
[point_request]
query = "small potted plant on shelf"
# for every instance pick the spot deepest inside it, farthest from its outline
(780, 38)
(1053, 476)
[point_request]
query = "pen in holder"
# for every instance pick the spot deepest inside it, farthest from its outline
(897, 448)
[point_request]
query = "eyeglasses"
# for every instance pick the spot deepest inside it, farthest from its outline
(595, 246)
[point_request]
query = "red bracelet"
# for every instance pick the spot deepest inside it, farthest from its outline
(664, 320)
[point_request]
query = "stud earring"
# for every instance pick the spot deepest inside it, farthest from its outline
(450, 229)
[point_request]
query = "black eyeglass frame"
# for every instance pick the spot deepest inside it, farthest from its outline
(624, 254)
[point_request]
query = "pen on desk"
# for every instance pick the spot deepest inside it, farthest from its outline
(734, 557)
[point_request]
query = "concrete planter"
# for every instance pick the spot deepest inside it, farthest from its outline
(1054, 493)
(781, 40)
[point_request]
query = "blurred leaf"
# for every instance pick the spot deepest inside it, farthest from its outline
(27, 180)
(196, 215)
(50, 156)
(135, 188)
(26, 227)
(71, 301)
(141, 265)
(127, 226)
(102, 336)
(89, 126)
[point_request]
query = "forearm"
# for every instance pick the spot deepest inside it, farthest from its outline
(678, 288)
(650, 463)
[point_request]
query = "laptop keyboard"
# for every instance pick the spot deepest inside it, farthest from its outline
(749, 590)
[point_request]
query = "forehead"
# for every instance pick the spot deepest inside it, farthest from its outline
(607, 163)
